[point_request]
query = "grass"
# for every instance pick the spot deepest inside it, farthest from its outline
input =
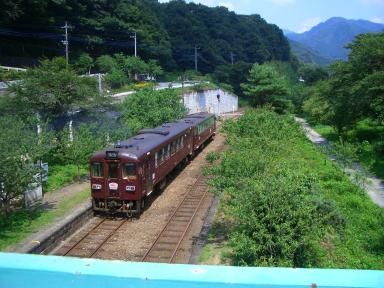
(20, 224)
(216, 249)
(61, 175)
(367, 137)
(352, 235)
(361, 243)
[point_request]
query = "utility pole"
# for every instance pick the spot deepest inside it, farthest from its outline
(135, 37)
(232, 55)
(196, 47)
(65, 42)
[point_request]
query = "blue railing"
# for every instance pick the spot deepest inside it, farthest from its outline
(24, 270)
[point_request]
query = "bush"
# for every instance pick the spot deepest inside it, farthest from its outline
(286, 205)
(150, 108)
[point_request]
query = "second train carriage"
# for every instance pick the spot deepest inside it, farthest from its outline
(123, 175)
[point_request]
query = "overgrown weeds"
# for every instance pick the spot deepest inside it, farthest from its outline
(289, 205)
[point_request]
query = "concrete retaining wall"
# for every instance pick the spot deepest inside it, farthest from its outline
(207, 101)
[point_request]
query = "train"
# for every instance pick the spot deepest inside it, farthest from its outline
(124, 175)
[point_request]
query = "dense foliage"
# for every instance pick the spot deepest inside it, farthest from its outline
(285, 205)
(355, 89)
(51, 89)
(265, 85)
(19, 151)
(149, 108)
(167, 32)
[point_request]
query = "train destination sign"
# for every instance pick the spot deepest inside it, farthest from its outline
(112, 155)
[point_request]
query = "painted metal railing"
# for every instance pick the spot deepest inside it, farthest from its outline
(25, 270)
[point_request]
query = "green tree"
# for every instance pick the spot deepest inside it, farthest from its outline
(265, 85)
(154, 69)
(84, 63)
(116, 78)
(19, 152)
(150, 108)
(355, 89)
(106, 63)
(312, 73)
(134, 66)
(52, 89)
(78, 147)
(316, 107)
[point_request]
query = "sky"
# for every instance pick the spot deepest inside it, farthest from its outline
(301, 15)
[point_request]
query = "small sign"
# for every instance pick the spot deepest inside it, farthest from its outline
(130, 188)
(113, 186)
(111, 155)
(96, 186)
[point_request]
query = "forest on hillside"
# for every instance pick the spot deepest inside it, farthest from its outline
(167, 32)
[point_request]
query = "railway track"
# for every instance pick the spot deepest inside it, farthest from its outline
(168, 247)
(167, 243)
(87, 245)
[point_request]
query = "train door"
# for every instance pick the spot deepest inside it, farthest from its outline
(113, 178)
(148, 176)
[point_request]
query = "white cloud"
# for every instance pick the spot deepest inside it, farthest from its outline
(307, 24)
(283, 2)
(228, 5)
(377, 20)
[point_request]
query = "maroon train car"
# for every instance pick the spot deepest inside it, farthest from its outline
(123, 175)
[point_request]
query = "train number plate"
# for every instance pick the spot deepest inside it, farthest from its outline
(130, 188)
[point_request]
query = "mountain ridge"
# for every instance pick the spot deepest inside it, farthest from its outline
(329, 38)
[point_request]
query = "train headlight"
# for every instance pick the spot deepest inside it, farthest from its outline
(130, 188)
(96, 186)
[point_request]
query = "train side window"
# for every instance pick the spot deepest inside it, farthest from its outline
(156, 159)
(182, 142)
(178, 144)
(113, 170)
(161, 157)
(173, 147)
(167, 151)
(129, 171)
(97, 170)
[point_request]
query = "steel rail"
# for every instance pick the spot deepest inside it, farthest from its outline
(82, 238)
(172, 218)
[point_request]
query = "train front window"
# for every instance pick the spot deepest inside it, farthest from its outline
(97, 169)
(112, 170)
(129, 171)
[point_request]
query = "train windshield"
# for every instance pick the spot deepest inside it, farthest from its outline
(112, 170)
(97, 169)
(129, 171)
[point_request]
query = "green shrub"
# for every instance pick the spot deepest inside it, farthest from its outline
(288, 205)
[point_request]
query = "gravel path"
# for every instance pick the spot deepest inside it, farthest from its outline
(372, 185)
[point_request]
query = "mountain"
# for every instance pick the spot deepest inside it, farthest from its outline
(172, 33)
(307, 54)
(330, 37)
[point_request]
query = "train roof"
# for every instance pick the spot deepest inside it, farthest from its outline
(148, 139)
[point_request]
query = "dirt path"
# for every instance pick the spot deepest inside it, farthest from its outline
(52, 199)
(372, 185)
